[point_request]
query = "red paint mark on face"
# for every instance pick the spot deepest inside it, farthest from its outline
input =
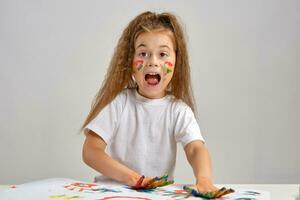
(138, 62)
(169, 63)
(124, 197)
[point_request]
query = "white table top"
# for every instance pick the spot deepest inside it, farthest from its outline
(277, 191)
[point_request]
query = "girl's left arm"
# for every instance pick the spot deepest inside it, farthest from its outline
(198, 157)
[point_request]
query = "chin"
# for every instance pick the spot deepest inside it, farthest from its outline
(153, 94)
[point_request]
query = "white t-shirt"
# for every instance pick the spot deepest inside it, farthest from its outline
(142, 133)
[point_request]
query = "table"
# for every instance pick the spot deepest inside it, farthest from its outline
(277, 191)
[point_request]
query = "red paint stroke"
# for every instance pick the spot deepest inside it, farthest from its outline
(124, 197)
(80, 186)
(13, 186)
(180, 192)
(138, 184)
(137, 62)
(169, 63)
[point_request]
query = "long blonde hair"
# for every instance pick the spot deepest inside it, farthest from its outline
(119, 71)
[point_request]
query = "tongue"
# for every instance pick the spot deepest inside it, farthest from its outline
(152, 81)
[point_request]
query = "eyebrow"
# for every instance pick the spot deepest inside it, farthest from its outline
(161, 46)
(164, 46)
(141, 45)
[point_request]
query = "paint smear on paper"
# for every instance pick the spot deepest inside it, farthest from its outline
(124, 197)
(64, 197)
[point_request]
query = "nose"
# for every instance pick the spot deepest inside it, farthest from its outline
(153, 61)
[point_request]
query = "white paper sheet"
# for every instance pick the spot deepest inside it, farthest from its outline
(69, 189)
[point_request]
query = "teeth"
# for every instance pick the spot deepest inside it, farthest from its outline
(152, 73)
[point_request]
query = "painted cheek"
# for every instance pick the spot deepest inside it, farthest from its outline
(138, 65)
(169, 64)
(167, 67)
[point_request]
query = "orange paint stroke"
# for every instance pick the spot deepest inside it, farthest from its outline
(169, 63)
(124, 197)
(80, 186)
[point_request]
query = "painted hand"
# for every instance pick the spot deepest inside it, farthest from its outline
(152, 183)
(193, 190)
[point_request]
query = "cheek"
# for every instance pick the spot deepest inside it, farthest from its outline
(168, 67)
(137, 65)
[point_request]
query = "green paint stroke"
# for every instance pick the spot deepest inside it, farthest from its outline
(140, 66)
(166, 69)
(65, 197)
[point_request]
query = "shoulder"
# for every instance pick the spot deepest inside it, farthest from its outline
(119, 102)
(125, 97)
(180, 106)
(122, 96)
(181, 111)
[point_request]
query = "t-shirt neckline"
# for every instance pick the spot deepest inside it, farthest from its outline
(141, 99)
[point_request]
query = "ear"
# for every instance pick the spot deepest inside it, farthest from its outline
(132, 77)
(169, 87)
(132, 82)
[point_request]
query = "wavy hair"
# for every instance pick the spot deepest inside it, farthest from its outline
(119, 72)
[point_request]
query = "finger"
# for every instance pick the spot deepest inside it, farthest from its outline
(147, 181)
(219, 191)
(155, 184)
(159, 182)
(224, 192)
(202, 190)
(189, 188)
(139, 182)
(207, 189)
(165, 177)
(192, 190)
(167, 183)
(150, 183)
(211, 194)
(228, 191)
(220, 194)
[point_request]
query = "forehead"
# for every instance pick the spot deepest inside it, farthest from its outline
(155, 39)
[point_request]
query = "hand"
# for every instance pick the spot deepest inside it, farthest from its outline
(141, 183)
(204, 188)
(152, 183)
(205, 185)
(158, 182)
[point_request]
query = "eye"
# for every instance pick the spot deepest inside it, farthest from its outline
(143, 54)
(163, 54)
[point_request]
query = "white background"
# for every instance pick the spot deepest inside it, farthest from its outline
(245, 67)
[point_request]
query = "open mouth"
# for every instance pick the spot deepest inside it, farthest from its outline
(152, 78)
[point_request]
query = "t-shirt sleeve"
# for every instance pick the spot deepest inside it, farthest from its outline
(186, 127)
(106, 122)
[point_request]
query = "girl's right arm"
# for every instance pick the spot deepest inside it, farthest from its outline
(94, 155)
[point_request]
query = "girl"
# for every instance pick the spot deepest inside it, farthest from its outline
(145, 107)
